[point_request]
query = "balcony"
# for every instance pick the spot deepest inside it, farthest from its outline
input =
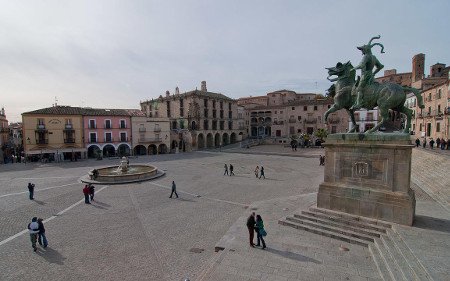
(93, 141)
(157, 129)
(107, 127)
(311, 120)
(142, 129)
(92, 126)
(69, 140)
(42, 141)
(122, 127)
(142, 140)
(123, 139)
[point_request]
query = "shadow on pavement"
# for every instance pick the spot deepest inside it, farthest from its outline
(292, 256)
(39, 202)
(184, 199)
(51, 255)
(101, 204)
(430, 223)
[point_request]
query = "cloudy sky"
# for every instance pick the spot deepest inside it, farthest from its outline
(117, 53)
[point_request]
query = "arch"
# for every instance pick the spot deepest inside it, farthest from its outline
(123, 150)
(225, 139)
(253, 120)
(109, 150)
(200, 141)
(209, 140)
(152, 149)
(261, 119)
(140, 150)
(268, 119)
(254, 131)
(162, 148)
(94, 151)
(217, 140)
(233, 138)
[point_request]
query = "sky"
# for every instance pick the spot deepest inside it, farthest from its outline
(114, 54)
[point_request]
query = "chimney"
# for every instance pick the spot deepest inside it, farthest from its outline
(177, 91)
(167, 94)
(203, 88)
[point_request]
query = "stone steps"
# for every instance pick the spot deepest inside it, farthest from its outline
(393, 258)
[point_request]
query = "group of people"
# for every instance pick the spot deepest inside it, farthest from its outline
(88, 191)
(259, 172)
(226, 170)
(37, 233)
(440, 143)
(255, 223)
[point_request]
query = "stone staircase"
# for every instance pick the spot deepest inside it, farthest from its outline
(394, 259)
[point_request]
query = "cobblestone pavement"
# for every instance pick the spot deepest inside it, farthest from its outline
(135, 232)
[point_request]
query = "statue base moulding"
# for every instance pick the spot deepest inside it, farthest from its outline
(369, 175)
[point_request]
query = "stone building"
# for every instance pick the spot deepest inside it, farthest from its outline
(198, 119)
(288, 113)
(434, 120)
(4, 135)
(151, 135)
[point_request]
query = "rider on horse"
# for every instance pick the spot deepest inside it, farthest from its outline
(368, 62)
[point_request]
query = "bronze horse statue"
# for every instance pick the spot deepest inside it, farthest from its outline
(385, 96)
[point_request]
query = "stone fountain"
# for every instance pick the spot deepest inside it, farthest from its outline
(123, 173)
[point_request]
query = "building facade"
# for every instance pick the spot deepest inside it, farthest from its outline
(150, 135)
(198, 119)
(434, 120)
(288, 114)
(107, 132)
(4, 135)
(54, 133)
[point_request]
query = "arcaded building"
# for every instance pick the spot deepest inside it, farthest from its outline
(198, 119)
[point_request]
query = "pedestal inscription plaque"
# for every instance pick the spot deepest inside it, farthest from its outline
(369, 175)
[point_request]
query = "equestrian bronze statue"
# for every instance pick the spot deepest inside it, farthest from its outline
(365, 92)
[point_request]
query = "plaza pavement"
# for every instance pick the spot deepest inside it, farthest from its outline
(135, 232)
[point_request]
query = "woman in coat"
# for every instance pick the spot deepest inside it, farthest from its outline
(260, 231)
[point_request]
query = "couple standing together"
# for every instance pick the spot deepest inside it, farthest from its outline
(256, 225)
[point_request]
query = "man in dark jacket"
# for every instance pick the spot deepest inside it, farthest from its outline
(42, 239)
(174, 189)
(251, 228)
(31, 190)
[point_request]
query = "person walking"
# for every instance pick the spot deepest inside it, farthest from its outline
(257, 171)
(443, 143)
(424, 144)
(33, 229)
(231, 170)
(226, 170)
(431, 143)
(86, 194)
(251, 228)
(42, 239)
(262, 172)
(417, 142)
(174, 189)
(438, 142)
(260, 232)
(91, 192)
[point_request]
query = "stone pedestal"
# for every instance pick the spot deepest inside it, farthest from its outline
(369, 175)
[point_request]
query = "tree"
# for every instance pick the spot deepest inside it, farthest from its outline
(321, 134)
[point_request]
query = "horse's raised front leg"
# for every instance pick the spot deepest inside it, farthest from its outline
(334, 108)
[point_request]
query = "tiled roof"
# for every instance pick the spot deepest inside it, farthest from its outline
(85, 111)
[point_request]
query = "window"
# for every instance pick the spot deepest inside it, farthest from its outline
(92, 124)
(329, 106)
(205, 102)
(438, 127)
(168, 109)
(439, 94)
(221, 104)
(281, 112)
(315, 107)
(299, 118)
(123, 124)
(92, 137)
(291, 130)
(293, 108)
(107, 124)
(429, 97)
(108, 137)
(123, 137)
(205, 125)
(420, 127)
(439, 109)
(305, 108)
(275, 112)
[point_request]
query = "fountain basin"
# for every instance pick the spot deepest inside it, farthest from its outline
(113, 175)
